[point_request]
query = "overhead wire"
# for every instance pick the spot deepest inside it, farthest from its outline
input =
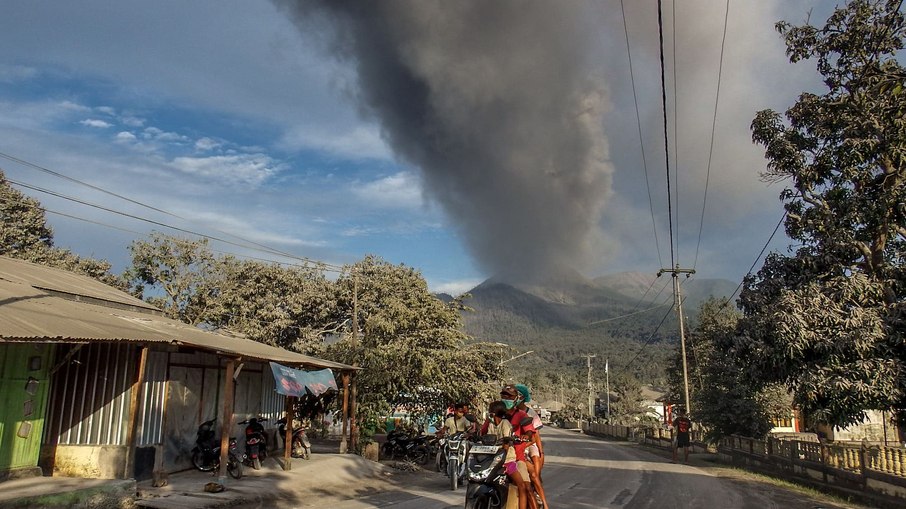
(638, 117)
(713, 130)
(151, 207)
(660, 24)
(763, 249)
(676, 181)
(328, 266)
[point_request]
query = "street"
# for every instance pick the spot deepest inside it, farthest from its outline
(586, 472)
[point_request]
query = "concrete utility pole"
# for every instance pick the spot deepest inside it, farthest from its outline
(678, 302)
(591, 400)
(607, 385)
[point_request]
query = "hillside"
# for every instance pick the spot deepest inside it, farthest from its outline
(564, 318)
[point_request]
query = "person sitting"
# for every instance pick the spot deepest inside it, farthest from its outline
(458, 421)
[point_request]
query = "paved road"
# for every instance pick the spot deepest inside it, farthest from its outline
(585, 472)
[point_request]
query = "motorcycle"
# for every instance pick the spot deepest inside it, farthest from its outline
(301, 447)
(438, 449)
(206, 453)
(456, 451)
(489, 487)
(255, 442)
(400, 444)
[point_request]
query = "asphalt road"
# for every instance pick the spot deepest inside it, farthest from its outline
(586, 472)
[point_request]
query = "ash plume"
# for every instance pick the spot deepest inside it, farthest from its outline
(497, 103)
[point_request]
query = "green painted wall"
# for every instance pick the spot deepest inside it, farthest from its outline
(23, 404)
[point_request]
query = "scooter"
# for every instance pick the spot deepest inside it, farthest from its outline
(489, 487)
(255, 442)
(206, 453)
(301, 447)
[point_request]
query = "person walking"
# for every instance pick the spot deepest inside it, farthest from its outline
(682, 426)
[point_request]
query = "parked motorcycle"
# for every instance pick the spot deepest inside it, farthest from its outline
(301, 447)
(456, 451)
(438, 448)
(206, 453)
(401, 444)
(255, 441)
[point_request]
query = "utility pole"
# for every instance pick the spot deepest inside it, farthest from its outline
(353, 429)
(591, 401)
(607, 386)
(678, 302)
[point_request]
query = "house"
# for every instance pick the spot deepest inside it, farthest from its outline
(96, 383)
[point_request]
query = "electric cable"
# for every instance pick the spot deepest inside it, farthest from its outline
(638, 118)
(660, 25)
(713, 130)
(763, 249)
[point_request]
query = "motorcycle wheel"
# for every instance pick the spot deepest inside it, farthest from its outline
(453, 468)
(421, 455)
(198, 462)
(234, 467)
(439, 461)
(256, 463)
(387, 451)
(474, 503)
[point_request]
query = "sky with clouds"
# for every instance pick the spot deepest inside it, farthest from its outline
(251, 118)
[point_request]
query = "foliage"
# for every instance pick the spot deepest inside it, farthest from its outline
(24, 234)
(722, 400)
(626, 404)
(183, 270)
(412, 350)
(827, 321)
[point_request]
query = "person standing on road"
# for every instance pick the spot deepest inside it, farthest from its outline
(682, 426)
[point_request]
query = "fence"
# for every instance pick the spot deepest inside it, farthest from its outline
(874, 470)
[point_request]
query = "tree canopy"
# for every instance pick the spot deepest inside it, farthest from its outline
(828, 319)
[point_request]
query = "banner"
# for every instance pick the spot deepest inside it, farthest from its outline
(294, 382)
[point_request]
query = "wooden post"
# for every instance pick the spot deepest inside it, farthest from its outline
(133, 414)
(228, 388)
(288, 433)
(353, 428)
(345, 411)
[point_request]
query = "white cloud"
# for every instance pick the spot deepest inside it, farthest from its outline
(106, 110)
(93, 122)
(454, 288)
(153, 133)
(133, 121)
(359, 143)
(244, 168)
(400, 190)
(205, 144)
(125, 137)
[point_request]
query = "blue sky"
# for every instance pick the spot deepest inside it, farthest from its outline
(230, 115)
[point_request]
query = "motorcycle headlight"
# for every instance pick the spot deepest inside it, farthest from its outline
(481, 475)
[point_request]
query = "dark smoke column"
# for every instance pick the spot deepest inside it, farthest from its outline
(497, 102)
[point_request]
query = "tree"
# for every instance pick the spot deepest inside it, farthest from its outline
(412, 349)
(722, 400)
(827, 321)
(175, 274)
(291, 307)
(25, 234)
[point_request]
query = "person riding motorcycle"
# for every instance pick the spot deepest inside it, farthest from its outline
(458, 421)
(535, 451)
(518, 471)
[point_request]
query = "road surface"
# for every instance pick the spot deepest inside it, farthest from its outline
(585, 472)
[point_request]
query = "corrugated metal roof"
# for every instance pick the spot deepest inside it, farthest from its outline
(29, 313)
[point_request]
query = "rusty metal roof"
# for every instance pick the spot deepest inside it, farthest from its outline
(43, 304)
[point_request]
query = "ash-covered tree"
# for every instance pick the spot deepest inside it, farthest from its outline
(175, 274)
(828, 320)
(292, 307)
(411, 347)
(25, 234)
(723, 401)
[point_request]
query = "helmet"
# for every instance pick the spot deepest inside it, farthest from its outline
(509, 391)
(524, 391)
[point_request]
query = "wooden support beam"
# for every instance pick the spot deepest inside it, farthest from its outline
(288, 435)
(228, 389)
(133, 414)
(343, 445)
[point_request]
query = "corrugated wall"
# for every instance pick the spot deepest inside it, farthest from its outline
(154, 395)
(90, 395)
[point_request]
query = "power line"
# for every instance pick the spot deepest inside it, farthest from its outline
(650, 338)
(164, 225)
(660, 26)
(141, 204)
(638, 117)
(713, 129)
(756, 260)
(676, 151)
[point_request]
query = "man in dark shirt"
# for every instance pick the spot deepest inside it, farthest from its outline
(682, 427)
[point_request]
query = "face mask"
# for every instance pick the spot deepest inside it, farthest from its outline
(509, 404)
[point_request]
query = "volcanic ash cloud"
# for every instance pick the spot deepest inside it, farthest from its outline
(498, 103)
